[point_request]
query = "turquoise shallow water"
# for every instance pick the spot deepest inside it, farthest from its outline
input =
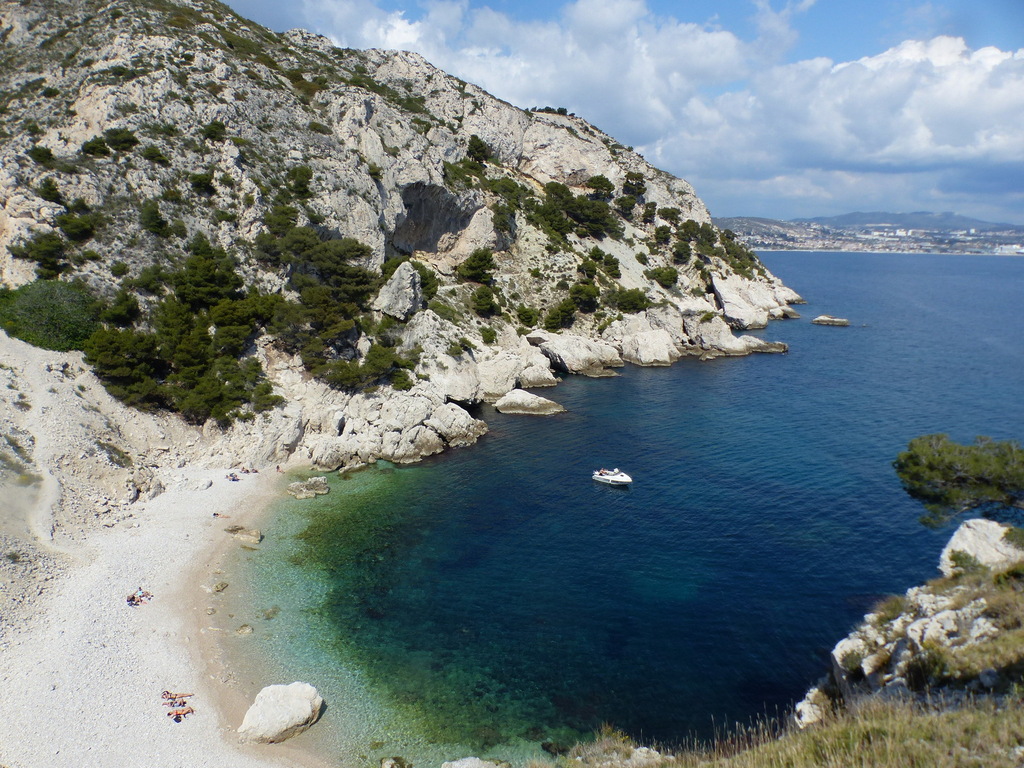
(495, 598)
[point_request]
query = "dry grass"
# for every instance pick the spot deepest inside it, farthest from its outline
(878, 735)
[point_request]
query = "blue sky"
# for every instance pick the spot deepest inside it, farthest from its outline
(778, 108)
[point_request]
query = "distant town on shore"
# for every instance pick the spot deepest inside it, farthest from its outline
(920, 232)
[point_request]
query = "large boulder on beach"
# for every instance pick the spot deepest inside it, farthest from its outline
(280, 712)
(519, 401)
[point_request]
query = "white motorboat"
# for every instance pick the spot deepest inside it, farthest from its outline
(612, 477)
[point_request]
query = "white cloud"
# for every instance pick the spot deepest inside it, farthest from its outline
(909, 122)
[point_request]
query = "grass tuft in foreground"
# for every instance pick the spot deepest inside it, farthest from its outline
(877, 734)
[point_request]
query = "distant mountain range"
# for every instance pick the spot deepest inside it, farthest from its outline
(920, 231)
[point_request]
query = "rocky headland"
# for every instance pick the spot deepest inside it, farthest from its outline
(157, 123)
(942, 644)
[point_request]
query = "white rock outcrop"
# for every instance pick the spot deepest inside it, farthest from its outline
(402, 294)
(831, 320)
(984, 541)
(576, 354)
(520, 401)
(280, 712)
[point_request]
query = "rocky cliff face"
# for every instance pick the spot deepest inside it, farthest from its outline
(131, 128)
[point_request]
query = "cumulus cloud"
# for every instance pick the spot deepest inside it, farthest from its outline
(906, 126)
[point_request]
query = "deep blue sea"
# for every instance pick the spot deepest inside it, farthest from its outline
(496, 598)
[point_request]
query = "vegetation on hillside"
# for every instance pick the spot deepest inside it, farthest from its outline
(952, 478)
(148, 245)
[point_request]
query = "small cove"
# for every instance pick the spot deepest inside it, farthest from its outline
(495, 598)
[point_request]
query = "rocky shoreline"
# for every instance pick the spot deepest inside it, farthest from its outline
(937, 644)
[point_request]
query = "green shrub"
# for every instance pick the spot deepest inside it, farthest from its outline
(681, 252)
(444, 311)
(155, 155)
(928, 667)
(215, 130)
(49, 191)
(483, 301)
(670, 215)
(488, 334)
(151, 220)
(120, 139)
(477, 266)
(630, 300)
(48, 250)
(965, 563)
(890, 608)
(528, 316)
(477, 150)
(123, 311)
(96, 147)
(42, 155)
(78, 228)
(634, 184)
(601, 188)
(666, 277)
(1014, 536)
(298, 180)
(50, 314)
(202, 183)
(561, 315)
(119, 269)
(584, 296)
(588, 267)
(625, 205)
(316, 127)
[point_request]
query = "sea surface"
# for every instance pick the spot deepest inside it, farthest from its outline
(495, 599)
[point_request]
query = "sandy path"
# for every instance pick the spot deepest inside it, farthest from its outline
(81, 684)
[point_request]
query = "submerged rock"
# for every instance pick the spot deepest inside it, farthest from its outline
(472, 762)
(280, 712)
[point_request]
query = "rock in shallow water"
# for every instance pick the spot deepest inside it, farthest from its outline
(280, 712)
(307, 489)
(830, 320)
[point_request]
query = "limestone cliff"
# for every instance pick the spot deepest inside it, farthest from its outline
(142, 137)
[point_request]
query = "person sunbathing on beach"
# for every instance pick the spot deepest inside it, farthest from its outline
(178, 714)
(139, 596)
(169, 695)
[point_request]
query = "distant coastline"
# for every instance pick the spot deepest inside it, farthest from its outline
(807, 249)
(878, 232)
